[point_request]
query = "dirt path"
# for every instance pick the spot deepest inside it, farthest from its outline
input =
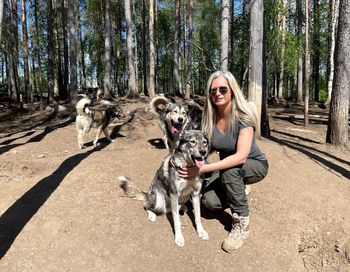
(61, 209)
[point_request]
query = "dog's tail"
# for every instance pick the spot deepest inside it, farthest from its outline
(130, 189)
(158, 103)
(82, 106)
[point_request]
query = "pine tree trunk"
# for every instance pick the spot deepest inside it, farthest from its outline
(299, 92)
(335, 12)
(225, 18)
(65, 49)
(144, 46)
(189, 51)
(256, 57)
(316, 50)
(1, 15)
(27, 72)
(50, 53)
(176, 68)
(337, 130)
(14, 52)
(307, 65)
(73, 86)
(283, 38)
(38, 57)
(152, 50)
(131, 68)
(108, 52)
(265, 125)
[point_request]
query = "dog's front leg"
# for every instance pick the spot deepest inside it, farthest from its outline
(174, 202)
(197, 216)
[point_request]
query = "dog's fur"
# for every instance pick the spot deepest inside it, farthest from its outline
(98, 116)
(173, 119)
(168, 191)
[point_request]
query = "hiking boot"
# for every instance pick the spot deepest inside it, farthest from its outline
(239, 232)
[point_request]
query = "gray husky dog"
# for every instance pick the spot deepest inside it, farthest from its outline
(173, 119)
(168, 192)
(98, 116)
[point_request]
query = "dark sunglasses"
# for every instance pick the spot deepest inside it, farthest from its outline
(222, 90)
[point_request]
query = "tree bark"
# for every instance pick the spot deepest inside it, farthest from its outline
(176, 68)
(131, 69)
(283, 38)
(108, 53)
(255, 57)
(189, 51)
(152, 50)
(225, 18)
(316, 51)
(73, 86)
(334, 19)
(27, 71)
(307, 65)
(299, 91)
(65, 50)
(337, 130)
(144, 46)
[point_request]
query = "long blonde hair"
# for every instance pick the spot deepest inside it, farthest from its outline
(241, 110)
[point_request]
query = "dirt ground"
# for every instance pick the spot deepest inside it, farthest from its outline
(61, 208)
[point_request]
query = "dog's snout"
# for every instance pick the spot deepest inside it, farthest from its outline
(203, 152)
(180, 119)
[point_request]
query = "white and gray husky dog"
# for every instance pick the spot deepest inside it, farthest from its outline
(173, 119)
(168, 192)
(98, 116)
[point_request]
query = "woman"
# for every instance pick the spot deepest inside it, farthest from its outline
(230, 122)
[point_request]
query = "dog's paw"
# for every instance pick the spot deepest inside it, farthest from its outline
(179, 240)
(152, 216)
(203, 234)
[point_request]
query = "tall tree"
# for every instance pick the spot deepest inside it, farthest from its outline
(316, 50)
(283, 39)
(299, 91)
(338, 126)
(307, 65)
(50, 53)
(13, 52)
(152, 51)
(27, 71)
(189, 51)
(334, 23)
(255, 56)
(37, 49)
(265, 126)
(131, 69)
(1, 15)
(73, 86)
(81, 55)
(225, 18)
(144, 46)
(108, 51)
(177, 38)
(64, 92)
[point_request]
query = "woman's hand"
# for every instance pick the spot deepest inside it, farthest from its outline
(189, 172)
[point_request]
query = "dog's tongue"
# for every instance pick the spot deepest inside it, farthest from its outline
(199, 163)
(176, 128)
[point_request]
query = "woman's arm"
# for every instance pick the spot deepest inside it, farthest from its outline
(244, 143)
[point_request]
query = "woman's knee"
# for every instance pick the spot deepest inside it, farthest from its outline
(212, 201)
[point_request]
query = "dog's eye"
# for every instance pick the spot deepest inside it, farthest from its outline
(192, 142)
(205, 143)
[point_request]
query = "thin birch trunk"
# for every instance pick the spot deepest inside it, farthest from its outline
(225, 18)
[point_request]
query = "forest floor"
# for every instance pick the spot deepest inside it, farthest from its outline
(61, 208)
